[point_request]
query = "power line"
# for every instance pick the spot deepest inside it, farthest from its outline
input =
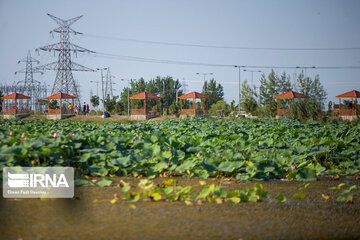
(223, 47)
(165, 61)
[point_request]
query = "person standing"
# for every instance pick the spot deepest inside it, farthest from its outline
(84, 108)
(76, 109)
(87, 108)
(70, 107)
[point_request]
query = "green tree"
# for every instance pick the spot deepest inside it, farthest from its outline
(119, 108)
(312, 88)
(248, 102)
(110, 103)
(1, 101)
(232, 106)
(215, 91)
(330, 105)
(53, 104)
(95, 101)
(221, 108)
(270, 87)
(165, 87)
(310, 107)
(175, 109)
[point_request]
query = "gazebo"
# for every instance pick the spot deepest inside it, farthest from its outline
(351, 112)
(193, 111)
(15, 105)
(62, 110)
(143, 113)
(290, 95)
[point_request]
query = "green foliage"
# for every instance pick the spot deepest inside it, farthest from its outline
(169, 191)
(344, 195)
(270, 87)
(330, 106)
(245, 150)
(95, 101)
(1, 101)
(165, 87)
(175, 109)
(54, 104)
(304, 109)
(221, 108)
(311, 107)
(110, 103)
(313, 89)
(280, 198)
(248, 98)
(215, 91)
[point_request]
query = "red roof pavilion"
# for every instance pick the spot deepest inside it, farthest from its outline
(61, 95)
(144, 96)
(194, 96)
(351, 94)
(8, 108)
(288, 95)
(353, 109)
(60, 110)
(14, 96)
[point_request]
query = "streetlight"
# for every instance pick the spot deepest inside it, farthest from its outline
(102, 86)
(204, 74)
(252, 78)
(305, 69)
(252, 74)
(239, 67)
(97, 87)
(128, 94)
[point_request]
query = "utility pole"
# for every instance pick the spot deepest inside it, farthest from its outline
(97, 87)
(30, 86)
(205, 75)
(239, 67)
(184, 85)
(252, 77)
(128, 100)
(102, 87)
(64, 81)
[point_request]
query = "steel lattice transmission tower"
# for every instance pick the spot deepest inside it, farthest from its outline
(30, 87)
(64, 81)
(108, 84)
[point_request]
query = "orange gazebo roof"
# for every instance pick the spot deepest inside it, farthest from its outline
(290, 95)
(193, 95)
(14, 96)
(144, 95)
(351, 94)
(61, 95)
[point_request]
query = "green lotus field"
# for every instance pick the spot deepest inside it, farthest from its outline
(242, 149)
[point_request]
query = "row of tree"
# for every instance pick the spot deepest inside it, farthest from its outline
(262, 102)
(165, 87)
(259, 102)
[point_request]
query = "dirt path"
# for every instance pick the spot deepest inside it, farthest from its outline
(81, 218)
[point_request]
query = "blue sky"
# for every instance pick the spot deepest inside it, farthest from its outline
(25, 26)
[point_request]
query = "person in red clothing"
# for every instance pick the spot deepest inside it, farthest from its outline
(87, 108)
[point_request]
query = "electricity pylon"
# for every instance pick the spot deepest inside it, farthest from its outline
(64, 81)
(108, 84)
(30, 87)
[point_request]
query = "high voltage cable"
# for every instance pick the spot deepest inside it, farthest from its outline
(223, 47)
(164, 61)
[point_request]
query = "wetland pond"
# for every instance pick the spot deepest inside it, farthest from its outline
(91, 215)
